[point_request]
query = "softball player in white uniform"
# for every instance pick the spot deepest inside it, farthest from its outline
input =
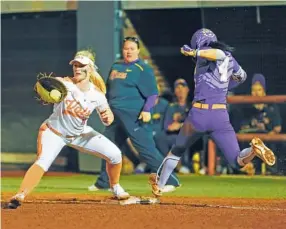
(67, 125)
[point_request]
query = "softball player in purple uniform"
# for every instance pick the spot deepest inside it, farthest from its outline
(216, 72)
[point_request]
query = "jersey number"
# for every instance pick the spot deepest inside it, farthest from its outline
(223, 69)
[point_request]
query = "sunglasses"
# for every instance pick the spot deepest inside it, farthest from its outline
(134, 39)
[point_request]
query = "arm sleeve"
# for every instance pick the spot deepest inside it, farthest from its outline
(150, 103)
(211, 54)
(147, 84)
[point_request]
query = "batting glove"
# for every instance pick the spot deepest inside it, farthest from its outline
(187, 51)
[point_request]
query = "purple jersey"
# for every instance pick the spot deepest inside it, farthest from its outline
(213, 79)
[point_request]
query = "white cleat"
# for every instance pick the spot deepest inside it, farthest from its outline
(168, 188)
(93, 188)
(202, 171)
(119, 192)
(262, 151)
(184, 170)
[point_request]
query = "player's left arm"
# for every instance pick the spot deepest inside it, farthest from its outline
(148, 88)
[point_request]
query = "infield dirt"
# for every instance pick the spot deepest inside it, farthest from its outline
(84, 211)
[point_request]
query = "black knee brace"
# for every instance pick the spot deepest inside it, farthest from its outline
(178, 150)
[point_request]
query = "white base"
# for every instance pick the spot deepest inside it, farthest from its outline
(133, 200)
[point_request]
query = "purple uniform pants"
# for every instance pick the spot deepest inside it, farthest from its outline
(214, 122)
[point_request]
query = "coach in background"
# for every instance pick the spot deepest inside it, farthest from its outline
(132, 93)
(262, 118)
(174, 118)
(158, 115)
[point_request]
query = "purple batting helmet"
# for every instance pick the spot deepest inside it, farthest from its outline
(202, 37)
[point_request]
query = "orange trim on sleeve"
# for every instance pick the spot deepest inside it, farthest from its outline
(43, 127)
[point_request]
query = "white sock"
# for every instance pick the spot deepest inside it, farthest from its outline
(116, 186)
(245, 156)
(245, 152)
(169, 164)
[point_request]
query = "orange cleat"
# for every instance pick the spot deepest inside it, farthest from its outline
(262, 151)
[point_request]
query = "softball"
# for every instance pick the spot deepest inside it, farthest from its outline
(55, 95)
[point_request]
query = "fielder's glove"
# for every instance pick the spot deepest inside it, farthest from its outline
(49, 89)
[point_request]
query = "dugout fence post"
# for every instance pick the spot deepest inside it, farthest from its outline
(99, 25)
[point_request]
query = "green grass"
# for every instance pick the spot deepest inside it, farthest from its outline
(193, 186)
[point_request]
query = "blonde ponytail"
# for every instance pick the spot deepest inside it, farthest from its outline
(97, 81)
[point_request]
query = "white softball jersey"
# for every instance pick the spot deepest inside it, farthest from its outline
(70, 116)
(67, 125)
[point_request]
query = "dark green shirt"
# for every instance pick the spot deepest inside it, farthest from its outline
(177, 113)
(158, 115)
(130, 84)
(269, 116)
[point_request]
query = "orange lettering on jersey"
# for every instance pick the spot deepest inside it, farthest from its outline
(74, 109)
(113, 74)
(116, 74)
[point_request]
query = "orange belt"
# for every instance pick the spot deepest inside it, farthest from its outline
(57, 132)
(207, 106)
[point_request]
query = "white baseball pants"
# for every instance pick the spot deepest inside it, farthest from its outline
(49, 145)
